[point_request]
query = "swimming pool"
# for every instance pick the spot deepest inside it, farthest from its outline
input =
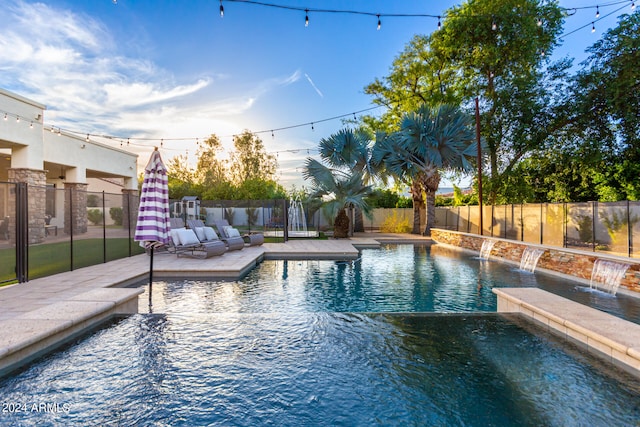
(277, 349)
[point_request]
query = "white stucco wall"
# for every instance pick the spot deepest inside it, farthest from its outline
(33, 146)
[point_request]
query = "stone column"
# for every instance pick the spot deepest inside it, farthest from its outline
(36, 181)
(130, 202)
(75, 207)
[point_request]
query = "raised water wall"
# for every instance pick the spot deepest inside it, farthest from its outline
(571, 262)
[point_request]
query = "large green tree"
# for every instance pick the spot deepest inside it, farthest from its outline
(594, 153)
(495, 50)
(250, 161)
(211, 170)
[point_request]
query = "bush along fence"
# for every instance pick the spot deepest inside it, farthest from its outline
(612, 228)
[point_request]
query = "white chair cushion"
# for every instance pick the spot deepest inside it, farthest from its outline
(200, 233)
(210, 233)
(232, 232)
(175, 238)
(187, 237)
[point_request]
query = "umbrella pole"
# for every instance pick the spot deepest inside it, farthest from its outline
(150, 277)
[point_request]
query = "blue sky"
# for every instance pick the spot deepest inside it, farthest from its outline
(175, 69)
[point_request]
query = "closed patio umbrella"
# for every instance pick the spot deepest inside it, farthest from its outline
(152, 227)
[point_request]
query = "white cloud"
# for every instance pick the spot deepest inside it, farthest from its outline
(313, 85)
(71, 63)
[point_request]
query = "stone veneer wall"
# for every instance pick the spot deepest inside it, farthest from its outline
(566, 261)
(75, 199)
(36, 181)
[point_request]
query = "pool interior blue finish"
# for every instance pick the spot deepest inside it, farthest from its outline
(299, 343)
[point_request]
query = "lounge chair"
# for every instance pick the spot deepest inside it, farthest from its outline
(184, 241)
(207, 234)
(252, 239)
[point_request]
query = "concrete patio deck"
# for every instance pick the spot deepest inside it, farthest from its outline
(42, 314)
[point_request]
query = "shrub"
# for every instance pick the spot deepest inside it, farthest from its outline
(393, 224)
(94, 216)
(93, 200)
(116, 215)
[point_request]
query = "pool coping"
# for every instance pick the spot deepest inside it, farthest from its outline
(604, 335)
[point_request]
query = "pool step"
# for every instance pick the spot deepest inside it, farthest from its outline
(602, 334)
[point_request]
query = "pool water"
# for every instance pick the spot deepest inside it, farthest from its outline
(283, 347)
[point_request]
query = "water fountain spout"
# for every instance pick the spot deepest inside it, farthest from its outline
(530, 257)
(297, 219)
(487, 247)
(607, 275)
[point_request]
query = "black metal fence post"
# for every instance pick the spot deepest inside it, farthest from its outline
(22, 232)
(104, 230)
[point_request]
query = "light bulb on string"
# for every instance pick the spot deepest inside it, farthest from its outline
(272, 135)
(87, 137)
(494, 26)
(52, 129)
(306, 17)
(59, 132)
(127, 142)
(5, 116)
(312, 128)
(221, 10)
(162, 143)
(439, 24)
(379, 23)
(539, 22)
(17, 119)
(633, 5)
(597, 12)
(31, 125)
(593, 27)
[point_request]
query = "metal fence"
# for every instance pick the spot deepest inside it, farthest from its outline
(47, 230)
(613, 227)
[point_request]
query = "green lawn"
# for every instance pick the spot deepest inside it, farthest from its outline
(52, 258)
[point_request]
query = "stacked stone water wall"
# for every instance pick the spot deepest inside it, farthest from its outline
(565, 261)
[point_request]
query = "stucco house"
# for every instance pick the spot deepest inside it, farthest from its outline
(45, 158)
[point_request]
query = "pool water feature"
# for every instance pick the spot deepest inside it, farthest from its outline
(324, 343)
(530, 258)
(607, 275)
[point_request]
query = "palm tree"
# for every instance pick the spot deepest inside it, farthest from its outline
(351, 150)
(430, 140)
(339, 190)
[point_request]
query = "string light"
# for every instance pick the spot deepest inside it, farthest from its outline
(597, 12)
(17, 119)
(306, 17)
(31, 125)
(494, 26)
(221, 10)
(633, 5)
(439, 24)
(5, 116)
(593, 27)
(87, 137)
(379, 23)
(539, 22)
